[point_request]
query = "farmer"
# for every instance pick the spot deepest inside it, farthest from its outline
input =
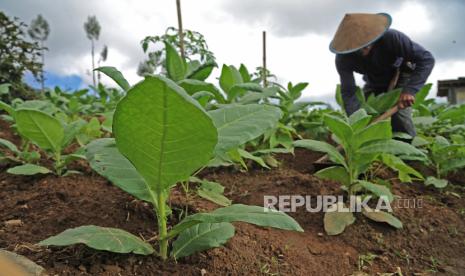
(363, 43)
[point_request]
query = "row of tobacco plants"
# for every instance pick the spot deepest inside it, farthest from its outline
(149, 137)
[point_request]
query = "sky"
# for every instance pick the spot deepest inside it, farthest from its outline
(298, 34)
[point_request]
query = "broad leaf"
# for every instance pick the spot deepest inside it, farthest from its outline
(9, 145)
(194, 86)
(381, 216)
(398, 165)
(359, 120)
(101, 238)
(339, 128)
(106, 160)
(28, 169)
(378, 190)
(239, 124)
(335, 173)
(436, 182)
(391, 146)
(175, 65)
(337, 219)
(40, 128)
(238, 212)
(214, 192)
(7, 108)
(381, 103)
(201, 237)
(320, 146)
(115, 75)
(229, 77)
(202, 72)
(163, 132)
(377, 131)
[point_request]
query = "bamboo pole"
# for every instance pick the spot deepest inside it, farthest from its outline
(265, 81)
(180, 30)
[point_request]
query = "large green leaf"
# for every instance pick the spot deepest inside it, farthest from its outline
(393, 147)
(163, 132)
(40, 128)
(381, 216)
(194, 86)
(335, 173)
(28, 169)
(382, 102)
(115, 75)
(436, 182)
(453, 164)
(339, 128)
(359, 120)
(337, 218)
(229, 77)
(377, 131)
(239, 124)
(421, 95)
(201, 71)
(9, 145)
(238, 212)
(378, 190)
(320, 146)
(175, 65)
(7, 108)
(106, 160)
(398, 165)
(212, 191)
(101, 238)
(201, 237)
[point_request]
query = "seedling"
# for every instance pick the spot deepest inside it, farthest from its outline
(164, 136)
(444, 157)
(49, 134)
(362, 145)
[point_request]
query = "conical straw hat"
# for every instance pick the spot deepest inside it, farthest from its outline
(358, 30)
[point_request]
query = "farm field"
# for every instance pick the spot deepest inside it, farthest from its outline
(183, 173)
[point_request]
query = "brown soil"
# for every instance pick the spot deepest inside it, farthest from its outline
(433, 238)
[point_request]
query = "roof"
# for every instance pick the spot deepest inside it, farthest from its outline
(445, 85)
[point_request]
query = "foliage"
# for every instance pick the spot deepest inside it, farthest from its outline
(39, 31)
(195, 47)
(180, 138)
(92, 29)
(363, 144)
(17, 55)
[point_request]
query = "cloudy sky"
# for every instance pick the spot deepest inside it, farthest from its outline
(299, 32)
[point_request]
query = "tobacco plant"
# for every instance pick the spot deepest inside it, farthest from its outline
(444, 157)
(362, 145)
(50, 135)
(162, 136)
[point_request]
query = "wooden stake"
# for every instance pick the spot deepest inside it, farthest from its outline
(265, 81)
(180, 30)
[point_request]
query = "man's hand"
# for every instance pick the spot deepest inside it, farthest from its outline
(406, 100)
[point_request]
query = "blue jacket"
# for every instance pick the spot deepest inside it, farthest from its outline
(377, 68)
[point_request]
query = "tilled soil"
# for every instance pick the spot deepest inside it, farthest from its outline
(432, 240)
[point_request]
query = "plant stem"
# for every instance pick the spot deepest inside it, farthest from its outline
(58, 163)
(162, 231)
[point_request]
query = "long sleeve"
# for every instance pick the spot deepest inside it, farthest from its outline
(348, 87)
(403, 46)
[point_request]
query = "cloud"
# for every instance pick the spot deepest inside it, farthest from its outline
(436, 24)
(299, 32)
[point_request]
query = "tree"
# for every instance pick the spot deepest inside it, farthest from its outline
(92, 28)
(102, 58)
(17, 55)
(39, 31)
